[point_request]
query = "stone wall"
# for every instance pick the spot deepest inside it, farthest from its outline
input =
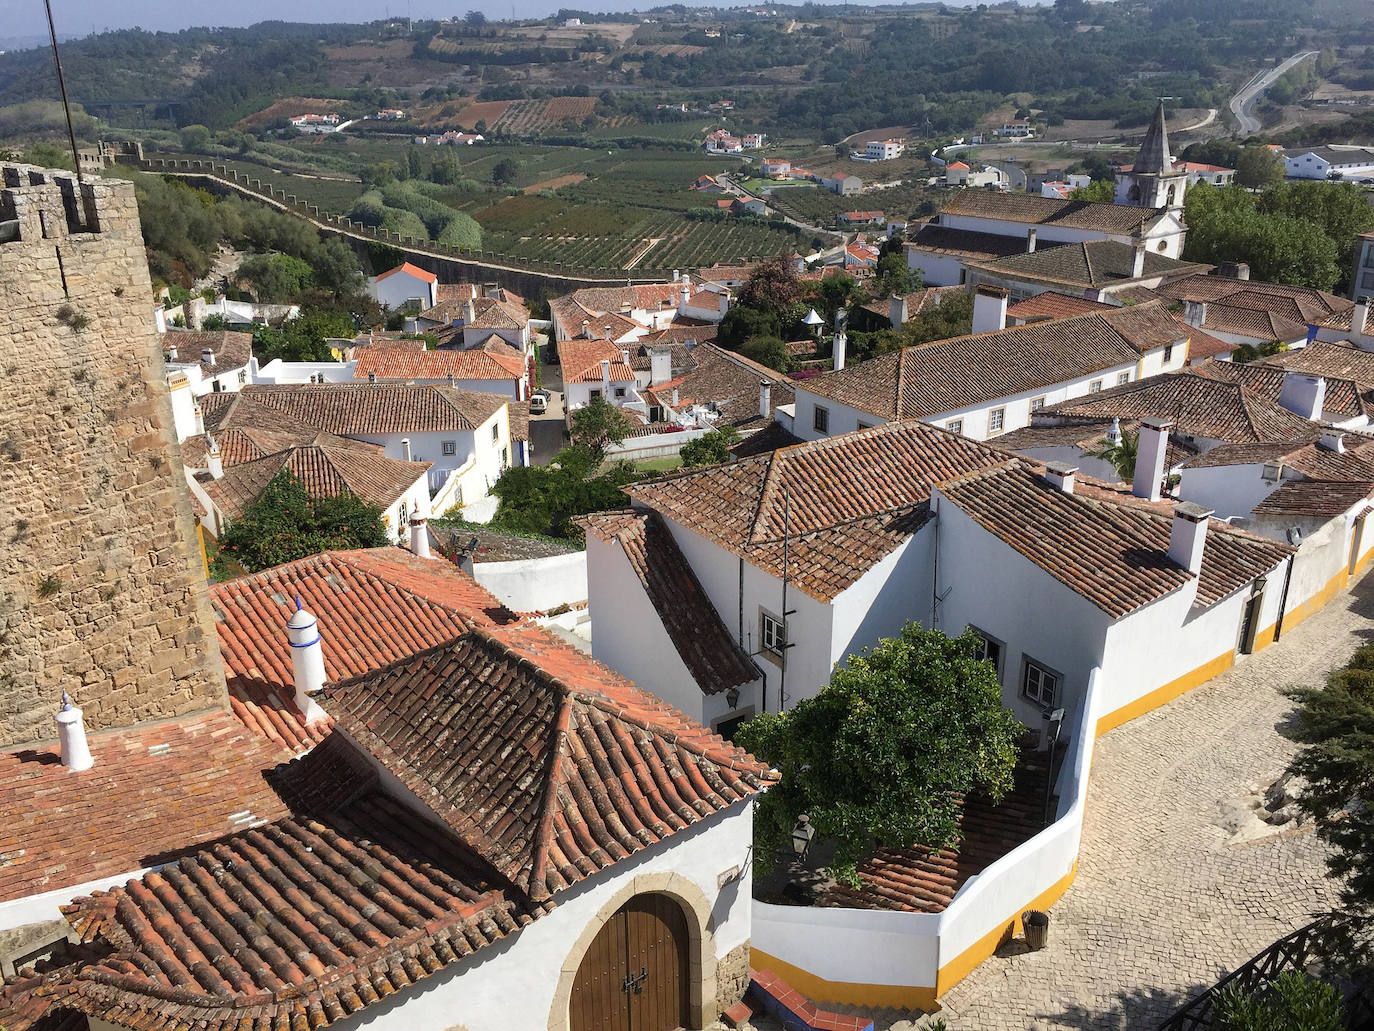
(102, 588)
(732, 976)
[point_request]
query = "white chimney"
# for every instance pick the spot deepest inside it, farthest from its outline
(405, 448)
(660, 365)
(1114, 432)
(419, 534)
(1060, 475)
(765, 399)
(676, 275)
(606, 332)
(1303, 395)
(450, 379)
(684, 295)
(674, 401)
(1361, 332)
(213, 461)
(1332, 439)
(624, 357)
(372, 377)
(837, 350)
(989, 309)
(71, 737)
(469, 313)
(171, 352)
(307, 661)
(1188, 537)
(1151, 448)
(253, 368)
(198, 414)
(1031, 235)
(896, 311)
(586, 328)
(724, 302)
(1195, 313)
(1138, 260)
(207, 356)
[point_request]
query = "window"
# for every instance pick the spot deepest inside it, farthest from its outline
(505, 459)
(955, 426)
(403, 514)
(496, 431)
(619, 391)
(595, 393)
(820, 419)
(997, 418)
(1122, 377)
(726, 728)
(450, 447)
(991, 651)
(216, 386)
(772, 634)
(865, 425)
(1095, 387)
(1168, 353)
(1037, 403)
(1039, 684)
(243, 377)
(655, 413)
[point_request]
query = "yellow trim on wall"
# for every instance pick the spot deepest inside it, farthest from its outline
(1360, 563)
(963, 964)
(819, 990)
(1312, 605)
(1160, 695)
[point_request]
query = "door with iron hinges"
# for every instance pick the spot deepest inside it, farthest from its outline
(634, 975)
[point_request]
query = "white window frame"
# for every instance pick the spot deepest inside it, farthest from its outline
(1095, 387)
(990, 643)
(1122, 378)
(449, 447)
(820, 419)
(619, 391)
(955, 426)
(1037, 403)
(772, 633)
(495, 431)
(1034, 676)
(997, 420)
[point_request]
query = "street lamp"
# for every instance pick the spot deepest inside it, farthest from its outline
(802, 834)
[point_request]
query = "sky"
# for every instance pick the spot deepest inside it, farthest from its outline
(22, 22)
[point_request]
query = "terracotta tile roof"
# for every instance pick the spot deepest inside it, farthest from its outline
(567, 767)
(248, 444)
(946, 375)
(410, 270)
(178, 784)
(231, 350)
(494, 313)
(579, 356)
(1341, 360)
(1309, 460)
(1197, 405)
(374, 606)
(965, 243)
(770, 438)
(1298, 304)
(717, 273)
(1090, 264)
(702, 640)
(1322, 498)
(1055, 305)
(1052, 211)
(916, 301)
(1202, 345)
(619, 373)
(731, 381)
(379, 408)
(408, 363)
(324, 470)
(853, 499)
(1114, 554)
(295, 924)
(1086, 435)
(1343, 399)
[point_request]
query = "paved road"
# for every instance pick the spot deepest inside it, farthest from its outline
(546, 431)
(1258, 83)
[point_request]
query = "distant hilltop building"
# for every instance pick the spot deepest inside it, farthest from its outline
(316, 123)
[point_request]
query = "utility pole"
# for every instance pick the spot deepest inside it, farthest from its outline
(62, 86)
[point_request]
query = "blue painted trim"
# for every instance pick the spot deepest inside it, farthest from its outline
(307, 644)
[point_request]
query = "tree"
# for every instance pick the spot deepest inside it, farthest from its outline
(1100, 190)
(712, 448)
(742, 323)
(214, 323)
(1253, 352)
(885, 752)
(287, 523)
(767, 350)
(1258, 168)
(414, 166)
(894, 276)
(303, 338)
(195, 139)
(598, 425)
(952, 317)
(1119, 454)
(475, 20)
(772, 287)
(546, 500)
(1294, 1001)
(505, 172)
(276, 278)
(1098, 167)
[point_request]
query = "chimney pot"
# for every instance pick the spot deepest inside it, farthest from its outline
(71, 736)
(1031, 235)
(212, 457)
(1332, 439)
(1138, 260)
(1060, 475)
(405, 448)
(419, 534)
(837, 350)
(307, 661)
(1152, 446)
(172, 352)
(989, 308)
(207, 356)
(1188, 536)
(765, 399)
(1303, 395)
(1359, 322)
(372, 377)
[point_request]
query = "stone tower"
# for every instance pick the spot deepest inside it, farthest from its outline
(1152, 181)
(102, 590)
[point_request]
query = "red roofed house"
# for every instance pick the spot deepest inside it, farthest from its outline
(405, 286)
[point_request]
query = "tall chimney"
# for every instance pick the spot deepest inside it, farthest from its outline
(207, 356)
(469, 313)
(660, 365)
(896, 311)
(1303, 395)
(684, 295)
(171, 351)
(1188, 537)
(71, 737)
(405, 448)
(1060, 475)
(989, 309)
(419, 534)
(765, 399)
(837, 349)
(307, 661)
(1138, 259)
(1195, 313)
(1242, 270)
(213, 461)
(674, 400)
(1361, 332)
(1031, 235)
(605, 377)
(624, 357)
(1332, 439)
(198, 414)
(1151, 448)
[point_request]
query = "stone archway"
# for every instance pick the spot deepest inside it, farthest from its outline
(701, 965)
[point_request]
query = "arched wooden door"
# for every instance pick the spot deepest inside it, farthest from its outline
(634, 975)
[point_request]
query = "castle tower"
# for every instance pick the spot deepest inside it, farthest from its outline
(102, 594)
(1152, 181)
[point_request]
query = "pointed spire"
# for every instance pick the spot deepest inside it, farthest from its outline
(1154, 157)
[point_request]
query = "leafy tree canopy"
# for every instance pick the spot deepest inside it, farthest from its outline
(286, 523)
(769, 351)
(882, 754)
(712, 448)
(772, 287)
(276, 278)
(1121, 454)
(545, 500)
(1098, 190)
(599, 425)
(302, 339)
(1294, 1001)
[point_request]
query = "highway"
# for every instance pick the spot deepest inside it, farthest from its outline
(1257, 84)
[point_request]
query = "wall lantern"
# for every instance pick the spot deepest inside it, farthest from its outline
(802, 834)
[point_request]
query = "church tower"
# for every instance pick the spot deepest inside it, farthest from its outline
(1152, 181)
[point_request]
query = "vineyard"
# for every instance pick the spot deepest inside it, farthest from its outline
(822, 208)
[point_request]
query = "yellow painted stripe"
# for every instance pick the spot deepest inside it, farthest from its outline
(1160, 695)
(851, 993)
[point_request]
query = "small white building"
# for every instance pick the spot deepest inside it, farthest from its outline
(884, 150)
(405, 286)
(1338, 162)
(211, 361)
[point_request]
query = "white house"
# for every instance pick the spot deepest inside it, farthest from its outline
(883, 150)
(623, 314)
(1092, 268)
(496, 368)
(1336, 162)
(405, 286)
(598, 369)
(993, 381)
(211, 361)
(1232, 306)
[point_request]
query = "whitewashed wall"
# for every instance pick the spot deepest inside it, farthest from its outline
(536, 584)
(1228, 490)
(936, 269)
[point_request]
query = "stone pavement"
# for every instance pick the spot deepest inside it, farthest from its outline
(1168, 897)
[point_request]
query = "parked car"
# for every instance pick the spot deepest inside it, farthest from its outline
(538, 404)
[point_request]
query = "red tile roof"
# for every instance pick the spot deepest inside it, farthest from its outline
(1071, 214)
(410, 270)
(408, 363)
(1344, 398)
(231, 350)
(177, 785)
(702, 640)
(1319, 498)
(374, 606)
(1341, 360)
(566, 766)
(379, 408)
(1055, 305)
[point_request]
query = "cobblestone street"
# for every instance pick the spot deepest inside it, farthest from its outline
(1166, 900)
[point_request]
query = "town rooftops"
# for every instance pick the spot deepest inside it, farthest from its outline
(379, 408)
(1092, 263)
(494, 313)
(1322, 499)
(412, 363)
(1341, 360)
(1244, 302)
(231, 350)
(916, 302)
(1305, 458)
(580, 361)
(566, 767)
(1335, 155)
(1110, 551)
(1054, 305)
(965, 243)
(1343, 398)
(1052, 211)
(410, 270)
(947, 375)
(704, 643)
(374, 606)
(730, 382)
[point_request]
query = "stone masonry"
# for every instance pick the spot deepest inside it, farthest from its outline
(102, 589)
